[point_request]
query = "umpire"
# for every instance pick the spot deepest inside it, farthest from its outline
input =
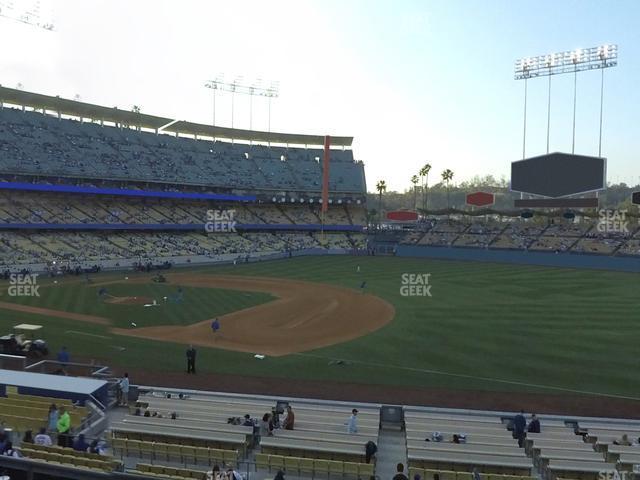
(191, 360)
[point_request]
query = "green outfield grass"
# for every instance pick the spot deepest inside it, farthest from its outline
(486, 326)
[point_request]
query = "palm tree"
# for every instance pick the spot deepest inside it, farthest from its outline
(424, 173)
(447, 175)
(381, 187)
(415, 180)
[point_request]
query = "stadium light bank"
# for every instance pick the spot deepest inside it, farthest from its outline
(572, 61)
(252, 89)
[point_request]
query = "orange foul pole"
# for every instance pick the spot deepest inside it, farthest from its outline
(325, 173)
(325, 179)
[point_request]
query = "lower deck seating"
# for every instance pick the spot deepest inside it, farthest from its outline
(430, 474)
(72, 458)
(161, 471)
(172, 452)
(313, 466)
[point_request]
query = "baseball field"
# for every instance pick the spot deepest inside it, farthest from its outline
(371, 321)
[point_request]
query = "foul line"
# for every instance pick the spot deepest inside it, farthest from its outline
(88, 334)
(471, 377)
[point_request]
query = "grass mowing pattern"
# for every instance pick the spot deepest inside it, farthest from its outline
(198, 303)
(571, 329)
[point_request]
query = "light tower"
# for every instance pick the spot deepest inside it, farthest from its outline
(574, 61)
(238, 85)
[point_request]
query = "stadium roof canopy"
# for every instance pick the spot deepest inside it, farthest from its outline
(115, 115)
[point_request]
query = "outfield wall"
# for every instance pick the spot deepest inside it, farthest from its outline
(550, 259)
(186, 260)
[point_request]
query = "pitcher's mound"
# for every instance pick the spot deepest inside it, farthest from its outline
(304, 316)
(129, 300)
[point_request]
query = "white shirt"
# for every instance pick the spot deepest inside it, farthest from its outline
(12, 453)
(124, 385)
(42, 439)
(352, 424)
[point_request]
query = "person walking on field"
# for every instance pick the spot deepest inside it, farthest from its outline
(215, 326)
(191, 360)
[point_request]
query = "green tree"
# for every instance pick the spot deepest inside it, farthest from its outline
(415, 180)
(381, 187)
(447, 175)
(424, 173)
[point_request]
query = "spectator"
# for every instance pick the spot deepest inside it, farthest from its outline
(534, 425)
(64, 427)
(9, 451)
(191, 360)
(623, 441)
(42, 438)
(519, 426)
(53, 418)
(279, 475)
(400, 473)
(98, 447)
(352, 423)
(80, 445)
(370, 449)
(475, 474)
(214, 473)
(233, 474)
(3, 442)
(247, 421)
(124, 389)
(28, 437)
(266, 426)
(289, 419)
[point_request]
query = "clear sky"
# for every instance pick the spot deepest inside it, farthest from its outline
(412, 81)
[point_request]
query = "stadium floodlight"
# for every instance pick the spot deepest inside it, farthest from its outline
(238, 85)
(27, 12)
(570, 61)
(581, 59)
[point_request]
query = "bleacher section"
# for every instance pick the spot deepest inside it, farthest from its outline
(556, 237)
(36, 144)
(489, 446)
(71, 457)
(88, 248)
(83, 237)
(202, 436)
(59, 209)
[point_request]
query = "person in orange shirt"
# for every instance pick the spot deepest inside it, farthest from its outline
(289, 420)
